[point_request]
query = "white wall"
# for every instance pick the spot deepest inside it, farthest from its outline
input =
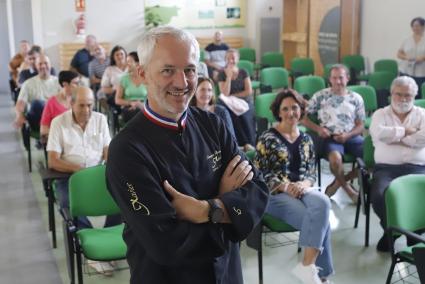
(114, 21)
(384, 25)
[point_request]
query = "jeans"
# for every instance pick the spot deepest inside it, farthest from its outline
(82, 221)
(309, 215)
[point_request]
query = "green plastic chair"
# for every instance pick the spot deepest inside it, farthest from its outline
(263, 115)
(370, 101)
(275, 77)
(381, 81)
(202, 55)
(247, 53)
(420, 103)
(248, 66)
(88, 196)
(272, 59)
(309, 85)
(301, 67)
(365, 168)
(405, 214)
(356, 65)
(388, 65)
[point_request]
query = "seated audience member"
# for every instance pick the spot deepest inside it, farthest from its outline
(341, 114)
(215, 54)
(131, 93)
(112, 75)
(79, 138)
(286, 157)
(398, 134)
(34, 93)
(28, 68)
(234, 81)
(81, 59)
(204, 99)
(97, 67)
(59, 103)
(17, 60)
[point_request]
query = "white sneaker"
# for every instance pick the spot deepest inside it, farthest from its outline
(307, 274)
(100, 267)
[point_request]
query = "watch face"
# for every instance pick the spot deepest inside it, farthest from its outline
(216, 215)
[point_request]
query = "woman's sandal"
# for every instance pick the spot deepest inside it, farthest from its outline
(331, 189)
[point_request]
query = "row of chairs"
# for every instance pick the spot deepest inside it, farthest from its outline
(88, 196)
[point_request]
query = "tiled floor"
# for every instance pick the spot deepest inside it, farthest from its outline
(27, 256)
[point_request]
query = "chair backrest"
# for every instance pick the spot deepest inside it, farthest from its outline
(247, 53)
(202, 55)
(309, 85)
(262, 106)
(368, 152)
(88, 194)
(381, 80)
(272, 59)
(302, 66)
(276, 77)
(388, 65)
(354, 63)
(420, 103)
(404, 202)
(248, 66)
(368, 94)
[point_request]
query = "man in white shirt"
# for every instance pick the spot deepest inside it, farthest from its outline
(398, 135)
(35, 92)
(79, 138)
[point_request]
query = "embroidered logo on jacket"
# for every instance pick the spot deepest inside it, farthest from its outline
(215, 160)
(134, 200)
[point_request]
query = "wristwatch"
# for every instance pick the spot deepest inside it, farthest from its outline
(215, 213)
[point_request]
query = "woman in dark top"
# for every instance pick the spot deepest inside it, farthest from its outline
(205, 100)
(236, 82)
(286, 157)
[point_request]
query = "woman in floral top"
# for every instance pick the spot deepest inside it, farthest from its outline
(286, 157)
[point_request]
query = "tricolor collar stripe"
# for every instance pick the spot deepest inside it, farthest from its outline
(163, 121)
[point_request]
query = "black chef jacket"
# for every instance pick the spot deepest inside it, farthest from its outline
(192, 155)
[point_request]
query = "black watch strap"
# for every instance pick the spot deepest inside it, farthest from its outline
(215, 213)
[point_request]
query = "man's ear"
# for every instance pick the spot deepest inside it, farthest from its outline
(142, 73)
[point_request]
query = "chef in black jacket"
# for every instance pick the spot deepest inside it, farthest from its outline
(186, 193)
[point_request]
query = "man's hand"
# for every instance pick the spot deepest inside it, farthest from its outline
(295, 189)
(324, 132)
(235, 175)
(409, 131)
(341, 138)
(19, 121)
(136, 105)
(187, 207)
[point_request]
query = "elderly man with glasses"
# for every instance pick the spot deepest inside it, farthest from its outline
(398, 135)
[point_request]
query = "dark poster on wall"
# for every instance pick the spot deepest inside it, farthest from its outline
(329, 36)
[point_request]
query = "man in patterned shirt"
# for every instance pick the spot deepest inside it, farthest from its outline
(340, 113)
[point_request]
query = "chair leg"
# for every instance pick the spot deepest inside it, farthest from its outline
(79, 266)
(390, 273)
(29, 158)
(51, 213)
(356, 220)
(69, 252)
(319, 172)
(260, 261)
(367, 209)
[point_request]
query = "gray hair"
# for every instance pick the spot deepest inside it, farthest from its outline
(80, 90)
(405, 81)
(150, 38)
(340, 66)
